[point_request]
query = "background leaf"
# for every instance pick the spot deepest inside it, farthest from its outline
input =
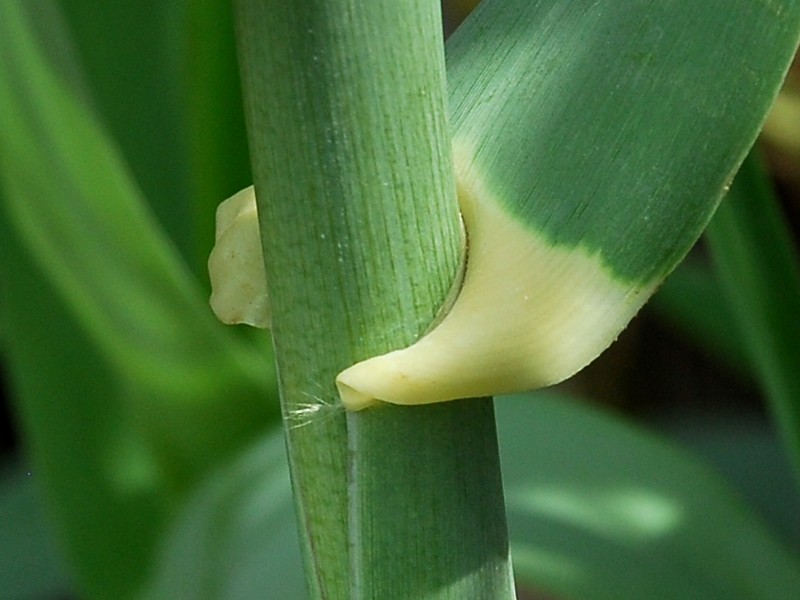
(31, 565)
(129, 389)
(171, 98)
(140, 96)
(235, 537)
(599, 509)
(759, 269)
(691, 300)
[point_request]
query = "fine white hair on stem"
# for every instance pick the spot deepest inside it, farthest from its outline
(317, 410)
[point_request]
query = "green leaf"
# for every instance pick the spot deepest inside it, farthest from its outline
(219, 159)
(128, 390)
(70, 197)
(104, 488)
(759, 268)
(747, 451)
(235, 537)
(600, 510)
(616, 127)
(30, 563)
(691, 301)
(133, 60)
(180, 88)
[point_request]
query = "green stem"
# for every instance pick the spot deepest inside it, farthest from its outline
(428, 504)
(346, 114)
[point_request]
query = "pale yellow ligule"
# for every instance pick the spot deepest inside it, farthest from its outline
(528, 315)
(236, 266)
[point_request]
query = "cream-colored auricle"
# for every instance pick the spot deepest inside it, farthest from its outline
(236, 265)
(529, 314)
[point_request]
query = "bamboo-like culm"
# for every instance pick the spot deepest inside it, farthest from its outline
(346, 113)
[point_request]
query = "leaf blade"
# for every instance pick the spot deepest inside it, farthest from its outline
(631, 113)
(604, 510)
(125, 382)
(759, 270)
